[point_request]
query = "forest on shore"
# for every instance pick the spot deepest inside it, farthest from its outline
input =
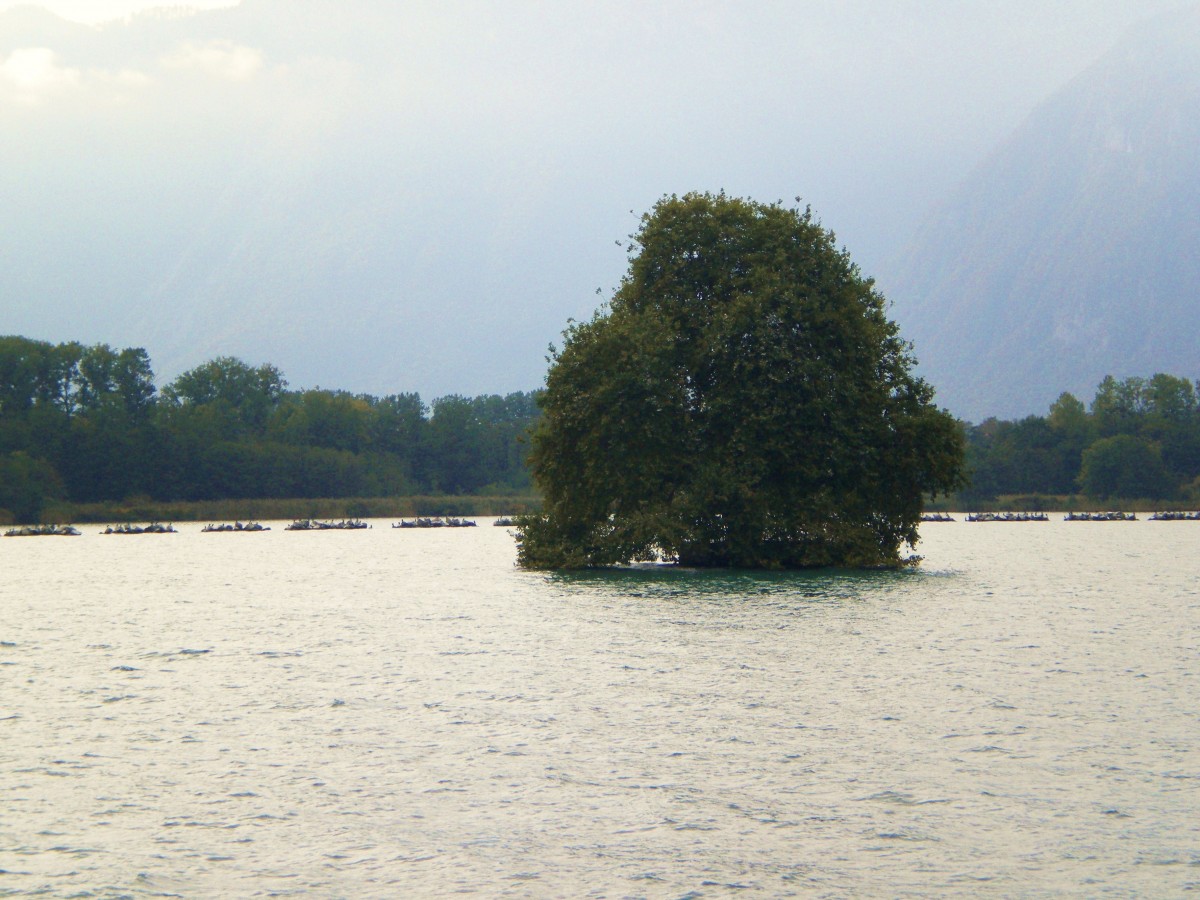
(87, 425)
(86, 428)
(1139, 439)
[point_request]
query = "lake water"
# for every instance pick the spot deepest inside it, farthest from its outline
(392, 713)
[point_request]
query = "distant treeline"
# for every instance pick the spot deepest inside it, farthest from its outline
(1140, 438)
(87, 424)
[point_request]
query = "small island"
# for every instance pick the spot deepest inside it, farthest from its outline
(743, 402)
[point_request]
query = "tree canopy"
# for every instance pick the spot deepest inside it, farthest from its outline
(744, 401)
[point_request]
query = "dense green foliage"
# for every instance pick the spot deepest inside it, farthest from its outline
(87, 424)
(743, 402)
(1140, 439)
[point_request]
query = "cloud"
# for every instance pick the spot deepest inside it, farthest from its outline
(97, 12)
(221, 59)
(32, 73)
(130, 78)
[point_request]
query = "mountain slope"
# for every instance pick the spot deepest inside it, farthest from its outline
(1074, 251)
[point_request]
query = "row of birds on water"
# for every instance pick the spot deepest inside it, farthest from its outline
(72, 531)
(252, 527)
(358, 524)
(507, 521)
(1109, 516)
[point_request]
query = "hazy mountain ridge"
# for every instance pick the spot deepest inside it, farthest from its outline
(1074, 251)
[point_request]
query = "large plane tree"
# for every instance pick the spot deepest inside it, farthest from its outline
(744, 401)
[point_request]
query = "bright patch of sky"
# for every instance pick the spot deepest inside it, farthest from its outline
(224, 59)
(94, 12)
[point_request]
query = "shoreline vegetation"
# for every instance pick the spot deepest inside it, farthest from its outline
(147, 510)
(87, 436)
(508, 505)
(1054, 503)
(83, 429)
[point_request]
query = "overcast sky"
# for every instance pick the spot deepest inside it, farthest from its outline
(454, 176)
(94, 12)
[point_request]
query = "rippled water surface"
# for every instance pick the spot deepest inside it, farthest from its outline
(391, 713)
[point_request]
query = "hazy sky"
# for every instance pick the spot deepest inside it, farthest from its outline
(384, 195)
(93, 12)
